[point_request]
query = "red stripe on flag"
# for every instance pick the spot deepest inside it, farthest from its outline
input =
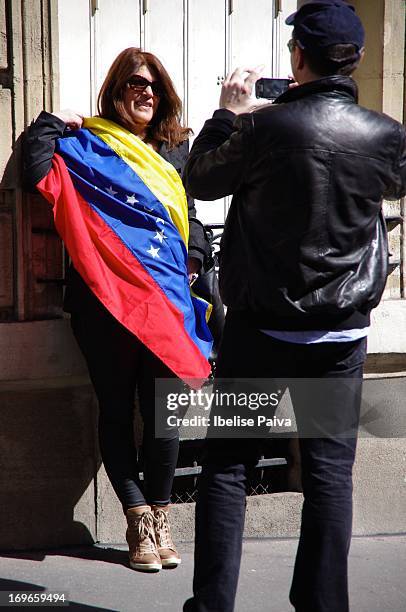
(118, 279)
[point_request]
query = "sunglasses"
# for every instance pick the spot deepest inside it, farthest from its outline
(139, 84)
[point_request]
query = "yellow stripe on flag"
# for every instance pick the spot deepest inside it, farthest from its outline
(157, 174)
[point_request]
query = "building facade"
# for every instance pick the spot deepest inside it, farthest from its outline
(54, 54)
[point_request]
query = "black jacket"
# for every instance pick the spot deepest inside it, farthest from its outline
(304, 245)
(39, 148)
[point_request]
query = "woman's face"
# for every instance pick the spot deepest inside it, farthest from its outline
(141, 102)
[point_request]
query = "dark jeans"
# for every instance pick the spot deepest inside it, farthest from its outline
(119, 364)
(320, 574)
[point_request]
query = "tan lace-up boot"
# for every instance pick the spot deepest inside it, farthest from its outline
(166, 548)
(143, 552)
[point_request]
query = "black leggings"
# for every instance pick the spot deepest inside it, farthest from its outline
(119, 364)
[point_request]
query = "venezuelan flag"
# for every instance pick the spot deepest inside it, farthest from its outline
(121, 211)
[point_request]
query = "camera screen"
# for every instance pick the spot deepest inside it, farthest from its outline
(271, 88)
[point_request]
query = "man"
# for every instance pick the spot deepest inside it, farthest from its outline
(303, 262)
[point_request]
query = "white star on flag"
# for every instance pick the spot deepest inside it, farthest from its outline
(111, 191)
(160, 236)
(153, 252)
(159, 220)
(131, 199)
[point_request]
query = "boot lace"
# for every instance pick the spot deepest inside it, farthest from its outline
(145, 534)
(162, 530)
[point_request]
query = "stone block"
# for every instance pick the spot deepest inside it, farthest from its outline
(111, 522)
(6, 131)
(39, 350)
(3, 37)
(6, 259)
(386, 321)
(380, 486)
(47, 466)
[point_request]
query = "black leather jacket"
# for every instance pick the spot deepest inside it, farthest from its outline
(304, 245)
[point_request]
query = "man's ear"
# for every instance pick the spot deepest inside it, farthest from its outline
(300, 58)
(361, 54)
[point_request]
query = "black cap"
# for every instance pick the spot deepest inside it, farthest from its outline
(327, 22)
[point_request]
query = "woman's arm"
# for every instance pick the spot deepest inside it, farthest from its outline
(39, 144)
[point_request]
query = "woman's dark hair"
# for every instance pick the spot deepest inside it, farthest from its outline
(335, 59)
(166, 123)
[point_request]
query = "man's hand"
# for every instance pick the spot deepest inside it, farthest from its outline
(294, 83)
(259, 103)
(73, 120)
(193, 268)
(237, 89)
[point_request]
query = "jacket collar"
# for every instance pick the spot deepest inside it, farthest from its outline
(340, 85)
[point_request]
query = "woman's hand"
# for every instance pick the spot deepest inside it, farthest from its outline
(73, 120)
(237, 89)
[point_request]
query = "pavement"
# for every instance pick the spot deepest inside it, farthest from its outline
(97, 577)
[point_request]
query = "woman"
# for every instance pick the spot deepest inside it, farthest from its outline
(121, 210)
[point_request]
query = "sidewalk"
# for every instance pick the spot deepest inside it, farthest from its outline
(97, 578)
